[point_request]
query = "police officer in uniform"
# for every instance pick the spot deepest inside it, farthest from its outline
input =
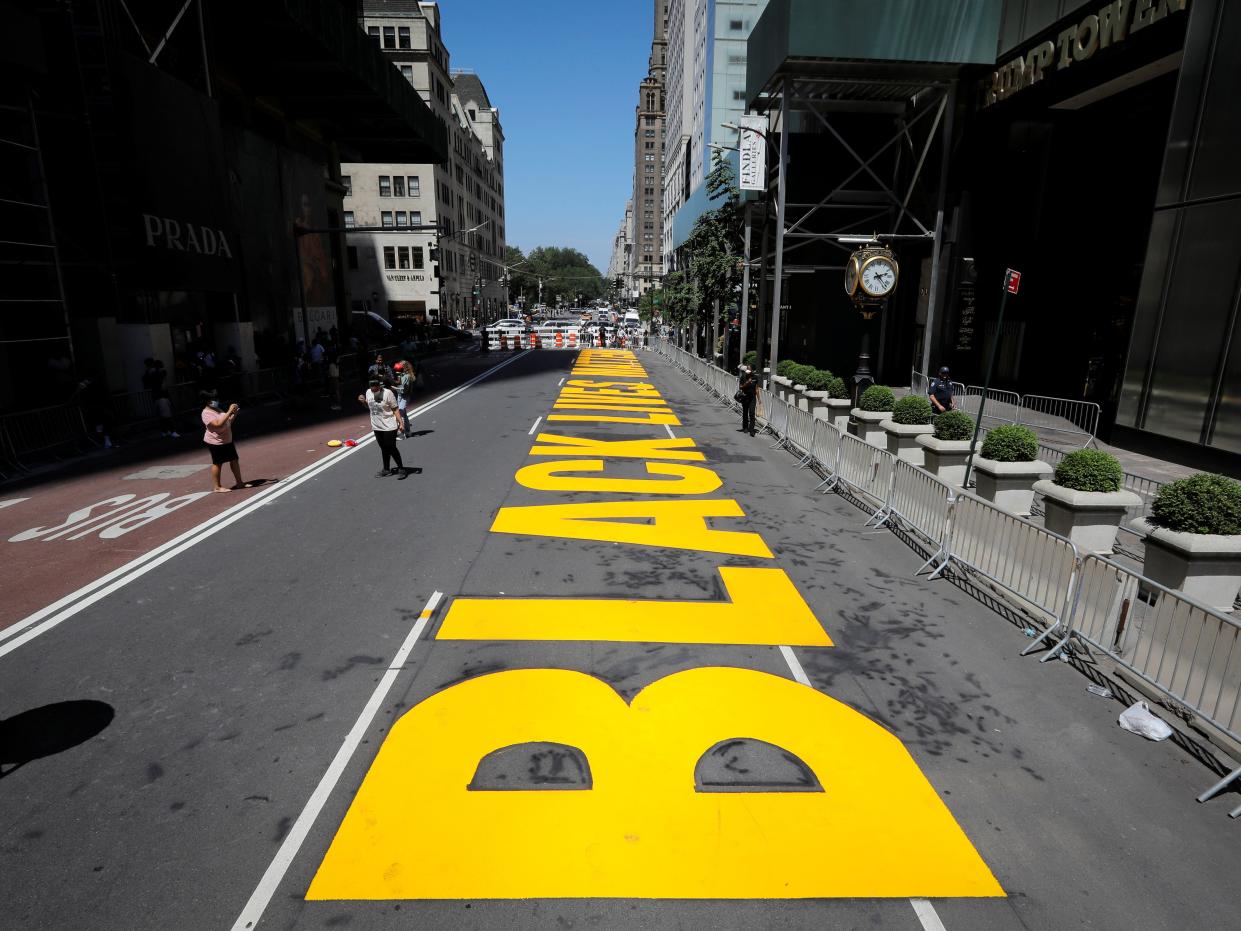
(940, 392)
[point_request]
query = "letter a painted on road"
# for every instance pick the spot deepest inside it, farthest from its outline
(416, 830)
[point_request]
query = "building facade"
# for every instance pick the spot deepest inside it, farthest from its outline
(706, 83)
(176, 201)
(448, 263)
(618, 263)
(646, 265)
(1090, 146)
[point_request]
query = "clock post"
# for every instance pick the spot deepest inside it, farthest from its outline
(870, 278)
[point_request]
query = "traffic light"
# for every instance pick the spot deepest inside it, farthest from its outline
(620, 282)
(435, 254)
(473, 262)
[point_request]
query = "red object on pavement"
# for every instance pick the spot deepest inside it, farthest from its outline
(350, 443)
(1012, 281)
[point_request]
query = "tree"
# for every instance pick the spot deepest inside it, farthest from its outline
(564, 271)
(714, 248)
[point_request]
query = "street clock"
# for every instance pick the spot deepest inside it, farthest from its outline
(871, 274)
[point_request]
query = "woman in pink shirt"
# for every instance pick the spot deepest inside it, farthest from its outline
(218, 437)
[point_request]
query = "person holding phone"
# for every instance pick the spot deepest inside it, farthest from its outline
(218, 438)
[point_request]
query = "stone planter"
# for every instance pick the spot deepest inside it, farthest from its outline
(815, 401)
(1205, 566)
(799, 398)
(1009, 485)
(868, 426)
(903, 440)
(1089, 518)
(781, 387)
(945, 459)
(835, 411)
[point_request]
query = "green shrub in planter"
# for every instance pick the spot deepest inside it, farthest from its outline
(750, 358)
(1010, 443)
(912, 410)
(797, 373)
(953, 425)
(817, 379)
(877, 398)
(783, 366)
(836, 387)
(1089, 470)
(1199, 504)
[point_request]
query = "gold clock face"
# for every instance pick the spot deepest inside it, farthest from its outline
(851, 275)
(878, 275)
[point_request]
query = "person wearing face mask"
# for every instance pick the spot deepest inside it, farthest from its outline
(218, 438)
(383, 408)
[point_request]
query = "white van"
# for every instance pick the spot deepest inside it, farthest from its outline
(632, 320)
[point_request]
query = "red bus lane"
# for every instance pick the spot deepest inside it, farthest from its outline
(57, 537)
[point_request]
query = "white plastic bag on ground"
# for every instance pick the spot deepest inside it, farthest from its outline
(1138, 719)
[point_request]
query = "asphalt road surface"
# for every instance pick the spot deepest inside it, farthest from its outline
(604, 662)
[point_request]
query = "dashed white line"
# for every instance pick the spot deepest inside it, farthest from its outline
(559, 383)
(925, 911)
(274, 875)
(538, 421)
(671, 435)
(794, 666)
(927, 915)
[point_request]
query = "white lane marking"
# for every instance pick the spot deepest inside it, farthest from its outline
(927, 915)
(274, 875)
(137, 567)
(9, 502)
(559, 383)
(925, 911)
(794, 666)
(530, 432)
(671, 435)
(234, 515)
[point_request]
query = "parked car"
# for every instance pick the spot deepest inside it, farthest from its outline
(508, 325)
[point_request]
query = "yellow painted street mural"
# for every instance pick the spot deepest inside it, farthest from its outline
(714, 782)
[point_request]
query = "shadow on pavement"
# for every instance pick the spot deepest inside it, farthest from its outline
(49, 730)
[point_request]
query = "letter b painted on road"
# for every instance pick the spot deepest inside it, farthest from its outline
(642, 829)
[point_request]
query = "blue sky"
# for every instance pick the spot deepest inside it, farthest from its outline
(564, 74)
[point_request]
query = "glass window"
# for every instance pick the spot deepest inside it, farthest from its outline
(398, 186)
(407, 72)
(351, 253)
(403, 36)
(402, 257)
(386, 218)
(413, 186)
(347, 182)
(389, 37)
(401, 218)
(385, 186)
(738, 95)
(415, 218)
(349, 218)
(389, 257)
(416, 253)
(735, 25)
(373, 32)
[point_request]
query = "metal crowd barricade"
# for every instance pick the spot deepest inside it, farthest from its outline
(919, 383)
(44, 430)
(1002, 406)
(919, 501)
(1078, 420)
(1185, 650)
(865, 469)
(825, 450)
(801, 432)
(1034, 564)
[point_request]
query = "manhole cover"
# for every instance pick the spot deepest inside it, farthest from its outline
(167, 472)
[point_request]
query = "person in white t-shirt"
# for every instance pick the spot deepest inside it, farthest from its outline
(383, 407)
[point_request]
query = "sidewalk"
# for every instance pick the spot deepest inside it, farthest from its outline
(262, 419)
